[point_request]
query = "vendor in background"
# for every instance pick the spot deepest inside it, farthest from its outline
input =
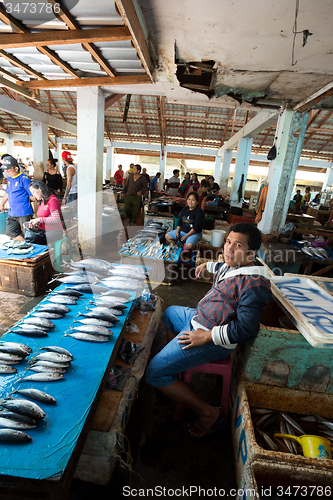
(18, 196)
(214, 187)
(203, 192)
(316, 199)
(182, 187)
(297, 198)
(306, 198)
(189, 225)
(119, 176)
(154, 184)
(193, 183)
(52, 177)
(127, 173)
(146, 176)
(174, 183)
(70, 195)
(328, 223)
(133, 191)
(48, 219)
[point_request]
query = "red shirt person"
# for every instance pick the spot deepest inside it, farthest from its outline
(119, 175)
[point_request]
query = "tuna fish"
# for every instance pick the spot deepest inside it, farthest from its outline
(57, 349)
(13, 435)
(87, 337)
(7, 369)
(94, 321)
(46, 369)
(42, 377)
(92, 265)
(17, 416)
(94, 289)
(99, 315)
(42, 322)
(118, 294)
(13, 424)
(56, 308)
(30, 333)
(69, 291)
(53, 356)
(37, 395)
(47, 315)
(15, 345)
(93, 329)
(12, 358)
(24, 407)
(106, 310)
(109, 302)
(16, 350)
(62, 299)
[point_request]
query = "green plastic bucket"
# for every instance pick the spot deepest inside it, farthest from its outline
(3, 218)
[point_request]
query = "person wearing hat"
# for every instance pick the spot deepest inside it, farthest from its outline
(71, 188)
(18, 196)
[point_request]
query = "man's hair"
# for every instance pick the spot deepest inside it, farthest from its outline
(158, 174)
(176, 171)
(211, 177)
(205, 184)
(308, 188)
(138, 167)
(252, 232)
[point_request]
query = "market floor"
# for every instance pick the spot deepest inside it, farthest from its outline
(160, 452)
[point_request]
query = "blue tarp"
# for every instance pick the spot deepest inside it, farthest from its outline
(55, 437)
(38, 249)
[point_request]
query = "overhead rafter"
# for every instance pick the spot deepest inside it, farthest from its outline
(65, 16)
(130, 18)
(111, 99)
(20, 90)
(88, 82)
(21, 28)
(315, 98)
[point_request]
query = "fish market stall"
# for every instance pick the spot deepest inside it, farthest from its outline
(68, 358)
(283, 385)
(24, 268)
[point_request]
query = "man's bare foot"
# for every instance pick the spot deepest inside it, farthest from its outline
(206, 422)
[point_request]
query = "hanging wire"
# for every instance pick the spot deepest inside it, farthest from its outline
(306, 34)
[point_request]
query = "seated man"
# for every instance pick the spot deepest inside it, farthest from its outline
(227, 315)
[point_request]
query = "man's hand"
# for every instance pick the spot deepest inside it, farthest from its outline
(123, 195)
(2, 207)
(139, 193)
(195, 338)
(199, 271)
(63, 203)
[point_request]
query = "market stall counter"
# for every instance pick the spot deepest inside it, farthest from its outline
(44, 464)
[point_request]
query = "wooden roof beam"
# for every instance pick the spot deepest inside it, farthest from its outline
(87, 82)
(111, 99)
(20, 90)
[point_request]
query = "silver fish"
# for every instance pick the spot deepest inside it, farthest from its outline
(291, 432)
(15, 348)
(292, 422)
(92, 265)
(283, 430)
(53, 356)
(75, 279)
(42, 322)
(50, 364)
(93, 289)
(5, 356)
(70, 291)
(57, 349)
(269, 442)
(30, 326)
(7, 369)
(13, 424)
(48, 315)
(125, 273)
(94, 321)
(324, 422)
(93, 329)
(263, 419)
(30, 333)
(7, 362)
(308, 251)
(123, 284)
(37, 395)
(45, 369)
(109, 302)
(88, 338)
(105, 310)
(118, 294)
(22, 251)
(57, 308)
(13, 435)
(24, 407)
(42, 377)
(62, 299)
(112, 310)
(328, 433)
(17, 416)
(99, 315)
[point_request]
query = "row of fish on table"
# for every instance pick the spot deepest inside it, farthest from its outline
(108, 286)
(315, 252)
(147, 243)
(17, 247)
(268, 422)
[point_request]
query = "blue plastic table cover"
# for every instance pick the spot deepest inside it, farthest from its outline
(55, 437)
(36, 251)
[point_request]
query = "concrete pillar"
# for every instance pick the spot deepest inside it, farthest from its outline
(10, 146)
(162, 167)
(328, 181)
(225, 172)
(241, 168)
(217, 168)
(290, 133)
(109, 165)
(57, 154)
(40, 148)
(90, 139)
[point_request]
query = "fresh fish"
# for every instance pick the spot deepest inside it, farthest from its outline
(322, 252)
(7, 369)
(109, 302)
(324, 422)
(94, 321)
(293, 443)
(22, 251)
(14, 349)
(42, 377)
(57, 308)
(57, 349)
(42, 322)
(51, 364)
(93, 289)
(287, 442)
(111, 310)
(54, 356)
(269, 442)
(125, 273)
(37, 395)
(17, 416)
(292, 422)
(87, 337)
(13, 435)
(92, 265)
(75, 279)
(7, 362)
(327, 432)
(62, 299)
(24, 407)
(5, 356)
(15, 345)
(45, 369)
(30, 333)
(69, 291)
(29, 326)
(99, 315)
(317, 253)
(106, 310)
(93, 329)
(263, 418)
(118, 294)
(48, 315)
(308, 251)
(13, 424)
(122, 284)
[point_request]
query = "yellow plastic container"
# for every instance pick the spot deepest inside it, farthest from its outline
(312, 446)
